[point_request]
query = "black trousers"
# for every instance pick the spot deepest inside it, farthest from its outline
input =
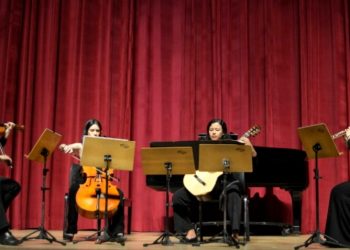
(184, 203)
(116, 223)
(9, 189)
(338, 217)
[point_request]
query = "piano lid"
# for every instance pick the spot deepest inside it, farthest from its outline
(273, 167)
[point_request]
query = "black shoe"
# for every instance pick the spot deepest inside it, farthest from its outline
(68, 236)
(185, 240)
(7, 238)
(119, 238)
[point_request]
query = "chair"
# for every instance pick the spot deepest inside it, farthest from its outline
(217, 222)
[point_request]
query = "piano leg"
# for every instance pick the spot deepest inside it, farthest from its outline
(296, 206)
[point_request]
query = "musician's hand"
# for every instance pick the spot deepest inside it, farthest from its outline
(74, 148)
(247, 142)
(6, 159)
(347, 134)
(8, 127)
(66, 148)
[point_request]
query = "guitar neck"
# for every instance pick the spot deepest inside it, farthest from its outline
(252, 131)
(246, 134)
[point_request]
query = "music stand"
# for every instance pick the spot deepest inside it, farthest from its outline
(226, 158)
(318, 143)
(167, 161)
(120, 150)
(42, 149)
(112, 153)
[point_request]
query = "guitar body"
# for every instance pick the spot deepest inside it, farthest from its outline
(201, 183)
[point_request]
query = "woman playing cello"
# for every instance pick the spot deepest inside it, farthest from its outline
(77, 176)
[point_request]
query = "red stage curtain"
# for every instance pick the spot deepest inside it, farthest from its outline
(156, 70)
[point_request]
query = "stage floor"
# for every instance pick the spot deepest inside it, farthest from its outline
(135, 241)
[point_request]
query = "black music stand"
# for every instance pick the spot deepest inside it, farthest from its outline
(167, 161)
(111, 153)
(318, 143)
(42, 149)
(226, 158)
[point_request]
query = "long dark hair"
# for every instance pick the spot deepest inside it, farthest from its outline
(89, 123)
(221, 122)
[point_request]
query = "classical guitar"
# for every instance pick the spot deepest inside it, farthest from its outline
(202, 183)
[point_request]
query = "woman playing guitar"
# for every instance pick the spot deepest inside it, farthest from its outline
(78, 176)
(183, 198)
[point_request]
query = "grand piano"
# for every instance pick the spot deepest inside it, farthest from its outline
(273, 167)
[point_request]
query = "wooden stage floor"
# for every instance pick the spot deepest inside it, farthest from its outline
(135, 241)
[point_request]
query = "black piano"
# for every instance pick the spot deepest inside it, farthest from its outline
(273, 167)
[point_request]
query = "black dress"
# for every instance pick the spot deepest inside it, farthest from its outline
(338, 217)
(185, 203)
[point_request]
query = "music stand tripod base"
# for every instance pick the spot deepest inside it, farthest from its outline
(164, 238)
(43, 235)
(167, 161)
(317, 143)
(42, 149)
(95, 235)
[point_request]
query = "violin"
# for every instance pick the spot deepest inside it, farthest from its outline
(3, 128)
(91, 196)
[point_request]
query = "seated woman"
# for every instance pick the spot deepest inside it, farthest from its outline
(183, 199)
(115, 231)
(338, 217)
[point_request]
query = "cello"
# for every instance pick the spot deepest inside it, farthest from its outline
(91, 196)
